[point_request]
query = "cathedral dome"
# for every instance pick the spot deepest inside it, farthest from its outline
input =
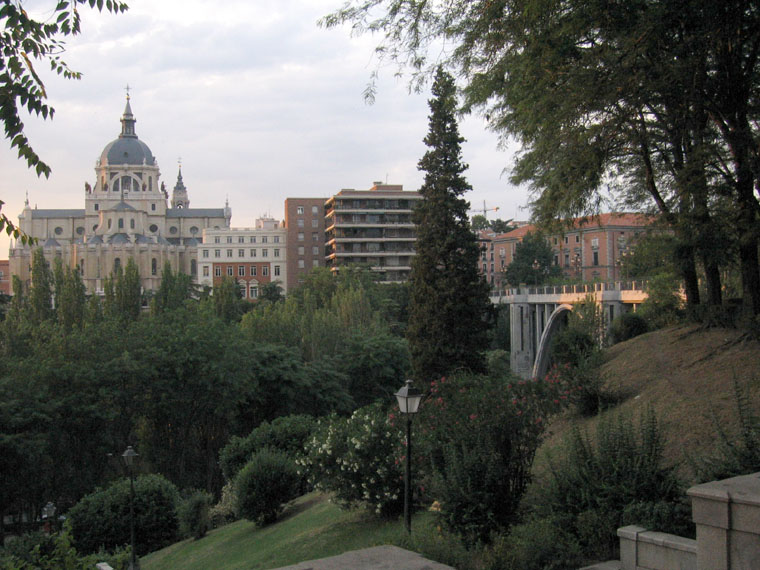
(127, 149)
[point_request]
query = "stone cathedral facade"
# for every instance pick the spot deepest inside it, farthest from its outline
(128, 213)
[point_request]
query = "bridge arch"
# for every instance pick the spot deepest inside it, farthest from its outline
(556, 321)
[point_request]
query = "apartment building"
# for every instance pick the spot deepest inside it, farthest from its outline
(305, 228)
(5, 277)
(588, 250)
(253, 256)
(372, 227)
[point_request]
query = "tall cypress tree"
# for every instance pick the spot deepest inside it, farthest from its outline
(449, 299)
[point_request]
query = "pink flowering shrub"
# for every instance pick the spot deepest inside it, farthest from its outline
(477, 437)
(359, 459)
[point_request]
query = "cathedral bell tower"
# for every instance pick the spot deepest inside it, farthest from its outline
(179, 195)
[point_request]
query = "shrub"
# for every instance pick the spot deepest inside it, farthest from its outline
(478, 437)
(193, 515)
(663, 305)
(627, 326)
(497, 362)
(101, 519)
(538, 544)
(596, 487)
(225, 511)
(267, 481)
(287, 433)
(359, 459)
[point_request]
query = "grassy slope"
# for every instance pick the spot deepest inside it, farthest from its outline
(311, 528)
(685, 373)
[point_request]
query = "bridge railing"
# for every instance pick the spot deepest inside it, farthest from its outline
(595, 287)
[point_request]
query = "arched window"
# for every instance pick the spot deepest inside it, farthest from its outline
(153, 266)
(193, 267)
(116, 265)
(109, 223)
(132, 223)
(121, 223)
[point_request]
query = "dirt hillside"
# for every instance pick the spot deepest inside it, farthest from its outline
(687, 374)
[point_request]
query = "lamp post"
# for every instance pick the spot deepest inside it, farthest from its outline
(409, 399)
(129, 457)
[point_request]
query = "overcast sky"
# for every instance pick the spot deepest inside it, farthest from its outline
(258, 102)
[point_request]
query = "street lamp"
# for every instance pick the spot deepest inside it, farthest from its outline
(129, 458)
(409, 399)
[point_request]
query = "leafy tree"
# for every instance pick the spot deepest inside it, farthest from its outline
(533, 262)
(271, 292)
(40, 307)
(652, 100)
(24, 40)
(479, 222)
(174, 290)
(228, 300)
(449, 299)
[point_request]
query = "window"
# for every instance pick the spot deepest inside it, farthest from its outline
(218, 271)
(300, 264)
(577, 239)
(299, 210)
(153, 207)
(300, 250)
(116, 264)
(205, 270)
(263, 239)
(299, 223)
(277, 252)
(229, 253)
(253, 271)
(243, 289)
(276, 239)
(254, 292)
(153, 266)
(241, 239)
(300, 236)
(253, 239)
(315, 223)
(253, 253)
(315, 250)
(315, 210)
(109, 223)
(131, 224)
(315, 263)
(276, 270)
(229, 270)
(264, 252)
(193, 267)
(216, 239)
(229, 239)
(565, 239)
(314, 236)
(265, 270)
(567, 260)
(241, 253)
(217, 253)
(241, 270)
(596, 258)
(153, 228)
(97, 207)
(205, 253)
(595, 242)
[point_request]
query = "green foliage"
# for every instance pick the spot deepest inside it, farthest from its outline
(39, 305)
(663, 305)
(538, 544)
(359, 459)
(626, 326)
(533, 263)
(228, 302)
(597, 487)
(193, 515)
(287, 434)
(478, 437)
(101, 519)
(498, 363)
(448, 295)
(268, 481)
(651, 254)
(225, 511)
(174, 290)
(736, 454)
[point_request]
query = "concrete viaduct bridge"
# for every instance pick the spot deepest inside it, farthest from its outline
(536, 313)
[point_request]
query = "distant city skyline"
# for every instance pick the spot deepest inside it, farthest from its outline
(258, 101)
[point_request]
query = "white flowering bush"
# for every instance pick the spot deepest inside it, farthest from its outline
(359, 459)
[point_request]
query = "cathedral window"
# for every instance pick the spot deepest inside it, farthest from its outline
(152, 207)
(153, 228)
(132, 224)
(173, 230)
(121, 223)
(97, 207)
(193, 267)
(153, 266)
(109, 223)
(116, 265)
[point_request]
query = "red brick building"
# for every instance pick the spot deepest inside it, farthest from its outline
(305, 227)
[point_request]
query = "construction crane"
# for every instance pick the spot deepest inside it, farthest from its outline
(484, 210)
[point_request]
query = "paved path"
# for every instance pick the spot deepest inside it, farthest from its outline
(376, 558)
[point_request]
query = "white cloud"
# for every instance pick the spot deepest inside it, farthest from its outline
(259, 102)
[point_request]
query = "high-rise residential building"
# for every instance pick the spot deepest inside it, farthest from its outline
(373, 228)
(253, 256)
(305, 226)
(128, 214)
